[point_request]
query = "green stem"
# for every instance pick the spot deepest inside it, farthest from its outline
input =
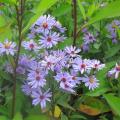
(19, 11)
(75, 21)
(52, 87)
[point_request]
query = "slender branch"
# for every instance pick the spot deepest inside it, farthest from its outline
(75, 21)
(19, 12)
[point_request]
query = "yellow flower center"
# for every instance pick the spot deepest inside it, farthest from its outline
(7, 45)
(91, 80)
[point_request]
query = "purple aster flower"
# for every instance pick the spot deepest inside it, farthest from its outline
(41, 98)
(8, 47)
(30, 45)
(89, 38)
(66, 82)
(91, 82)
(25, 61)
(49, 62)
(61, 59)
(96, 64)
(49, 40)
(20, 70)
(67, 87)
(72, 51)
(114, 41)
(84, 30)
(115, 71)
(36, 79)
(27, 89)
(81, 65)
(45, 24)
(75, 77)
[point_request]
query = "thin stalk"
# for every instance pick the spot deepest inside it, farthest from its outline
(52, 87)
(19, 12)
(75, 21)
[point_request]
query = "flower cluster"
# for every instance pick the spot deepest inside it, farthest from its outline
(64, 68)
(68, 70)
(47, 30)
(112, 29)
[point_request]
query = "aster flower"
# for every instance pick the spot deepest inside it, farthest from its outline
(66, 82)
(49, 62)
(25, 61)
(61, 59)
(49, 40)
(95, 64)
(7, 47)
(81, 65)
(91, 82)
(30, 45)
(27, 89)
(74, 77)
(20, 70)
(41, 98)
(36, 79)
(45, 24)
(72, 51)
(89, 38)
(67, 87)
(115, 71)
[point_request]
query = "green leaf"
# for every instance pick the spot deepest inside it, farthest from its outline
(3, 118)
(78, 116)
(8, 1)
(111, 10)
(42, 7)
(114, 103)
(37, 117)
(82, 9)
(62, 9)
(92, 9)
(64, 117)
(18, 116)
(5, 31)
(112, 51)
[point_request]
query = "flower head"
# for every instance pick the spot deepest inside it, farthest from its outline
(95, 64)
(36, 79)
(115, 71)
(66, 82)
(81, 65)
(30, 45)
(44, 24)
(91, 82)
(89, 38)
(41, 98)
(49, 40)
(7, 47)
(72, 51)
